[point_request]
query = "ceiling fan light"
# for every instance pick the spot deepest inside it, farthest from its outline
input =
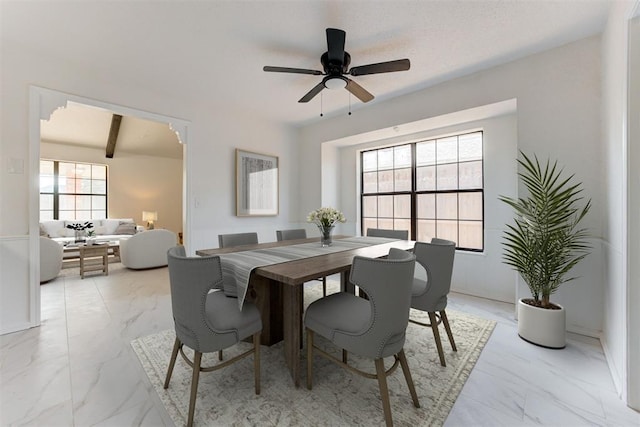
(335, 83)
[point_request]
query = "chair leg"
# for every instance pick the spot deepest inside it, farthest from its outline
(407, 377)
(384, 391)
(324, 286)
(345, 356)
(220, 355)
(447, 328)
(309, 359)
(436, 334)
(197, 358)
(256, 361)
(172, 362)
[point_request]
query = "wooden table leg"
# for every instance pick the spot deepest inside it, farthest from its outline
(345, 284)
(266, 295)
(81, 265)
(292, 316)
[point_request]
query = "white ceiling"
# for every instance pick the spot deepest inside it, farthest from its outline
(85, 126)
(212, 52)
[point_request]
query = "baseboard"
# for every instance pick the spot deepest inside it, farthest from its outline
(584, 331)
(615, 375)
(16, 327)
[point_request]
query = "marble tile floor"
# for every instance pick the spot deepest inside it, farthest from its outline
(78, 368)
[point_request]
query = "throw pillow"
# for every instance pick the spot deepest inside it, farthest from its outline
(43, 232)
(126, 228)
(53, 227)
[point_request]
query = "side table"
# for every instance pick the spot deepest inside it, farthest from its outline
(94, 258)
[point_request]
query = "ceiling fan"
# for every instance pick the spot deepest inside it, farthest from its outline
(335, 62)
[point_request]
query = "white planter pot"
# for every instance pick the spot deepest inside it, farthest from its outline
(542, 326)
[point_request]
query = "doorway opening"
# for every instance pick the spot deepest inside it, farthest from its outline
(43, 104)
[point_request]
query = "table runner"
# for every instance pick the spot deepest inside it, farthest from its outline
(237, 266)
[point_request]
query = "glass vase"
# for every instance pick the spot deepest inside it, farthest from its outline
(80, 235)
(325, 235)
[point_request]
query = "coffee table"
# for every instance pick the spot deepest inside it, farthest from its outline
(94, 257)
(114, 248)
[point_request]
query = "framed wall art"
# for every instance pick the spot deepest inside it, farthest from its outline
(256, 184)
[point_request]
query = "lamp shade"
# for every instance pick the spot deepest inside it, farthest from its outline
(149, 216)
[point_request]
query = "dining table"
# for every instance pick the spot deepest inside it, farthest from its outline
(277, 289)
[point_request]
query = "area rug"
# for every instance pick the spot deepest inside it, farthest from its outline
(338, 397)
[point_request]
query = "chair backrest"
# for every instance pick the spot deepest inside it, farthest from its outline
(387, 283)
(147, 249)
(51, 253)
(392, 234)
(190, 280)
(437, 259)
(238, 239)
(298, 233)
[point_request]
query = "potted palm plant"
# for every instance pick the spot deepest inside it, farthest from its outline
(543, 245)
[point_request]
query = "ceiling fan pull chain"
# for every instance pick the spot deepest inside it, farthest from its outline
(349, 103)
(321, 98)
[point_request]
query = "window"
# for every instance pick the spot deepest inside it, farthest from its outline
(432, 188)
(71, 190)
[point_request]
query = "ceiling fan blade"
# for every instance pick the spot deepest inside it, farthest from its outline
(335, 45)
(291, 70)
(313, 92)
(358, 91)
(381, 67)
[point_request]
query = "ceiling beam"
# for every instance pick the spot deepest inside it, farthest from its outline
(113, 135)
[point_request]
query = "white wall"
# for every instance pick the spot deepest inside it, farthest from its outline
(16, 306)
(633, 214)
(213, 178)
(215, 131)
(617, 327)
(136, 183)
(558, 115)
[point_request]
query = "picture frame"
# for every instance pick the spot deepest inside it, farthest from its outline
(257, 184)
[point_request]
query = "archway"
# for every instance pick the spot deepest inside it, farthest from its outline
(42, 103)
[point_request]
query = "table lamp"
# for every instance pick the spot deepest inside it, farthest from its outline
(149, 217)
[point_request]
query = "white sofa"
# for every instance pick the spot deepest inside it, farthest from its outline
(105, 229)
(50, 259)
(147, 249)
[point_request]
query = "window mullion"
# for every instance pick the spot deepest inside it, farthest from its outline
(414, 200)
(56, 192)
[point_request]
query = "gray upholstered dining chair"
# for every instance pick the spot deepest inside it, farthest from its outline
(392, 234)
(374, 327)
(296, 234)
(293, 234)
(207, 321)
(431, 295)
(237, 239)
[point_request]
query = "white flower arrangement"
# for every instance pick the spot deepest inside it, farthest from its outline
(326, 217)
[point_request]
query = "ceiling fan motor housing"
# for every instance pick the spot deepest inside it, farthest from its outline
(335, 67)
